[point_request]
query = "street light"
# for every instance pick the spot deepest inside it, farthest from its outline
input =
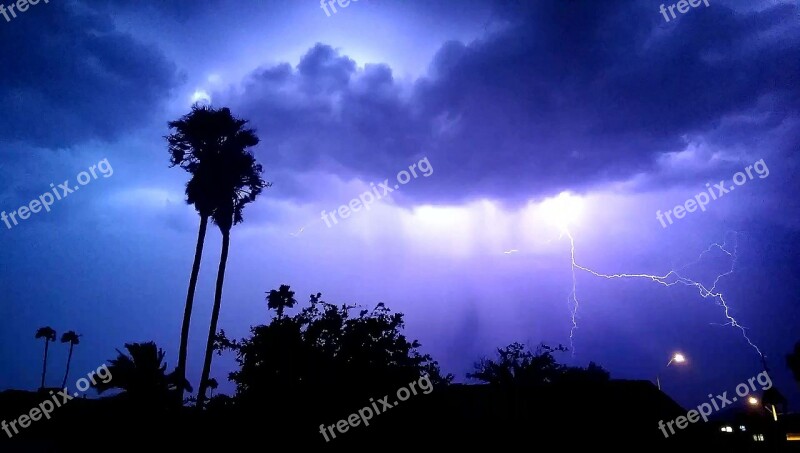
(677, 358)
(753, 401)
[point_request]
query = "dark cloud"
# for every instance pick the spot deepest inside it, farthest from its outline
(565, 95)
(71, 76)
(180, 10)
(327, 114)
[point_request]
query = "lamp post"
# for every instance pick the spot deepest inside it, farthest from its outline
(753, 401)
(677, 358)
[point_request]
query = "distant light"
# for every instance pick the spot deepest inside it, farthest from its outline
(753, 401)
(726, 429)
(679, 358)
(742, 428)
(793, 437)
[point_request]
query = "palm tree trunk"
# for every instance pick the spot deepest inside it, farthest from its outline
(69, 359)
(187, 311)
(212, 331)
(44, 366)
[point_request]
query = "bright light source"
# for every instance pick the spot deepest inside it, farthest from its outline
(679, 358)
(563, 210)
(753, 401)
(201, 96)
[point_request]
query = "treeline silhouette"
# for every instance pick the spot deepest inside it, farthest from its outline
(297, 372)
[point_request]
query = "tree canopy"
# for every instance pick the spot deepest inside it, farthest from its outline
(518, 365)
(327, 353)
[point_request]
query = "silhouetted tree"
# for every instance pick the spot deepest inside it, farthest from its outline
(142, 375)
(72, 338)
(793, 362)
(234, 181)
(518, 365)
(326, 357)
(280, 300)
(592, 373)
(49, 335)
(194, 145)
(212, 385)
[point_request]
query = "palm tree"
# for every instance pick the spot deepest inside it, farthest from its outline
(72, 338)
(212, 384)
(49, 335)
(281, 299)
(234, 182)
(196, 140)
(142, 375)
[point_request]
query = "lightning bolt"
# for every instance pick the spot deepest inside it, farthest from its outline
(671, 278)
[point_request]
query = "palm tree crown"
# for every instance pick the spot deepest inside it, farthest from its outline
(142, 375)
(71, 337)
(281, 299)
(48, 333)
(235, 183)
(211, 145)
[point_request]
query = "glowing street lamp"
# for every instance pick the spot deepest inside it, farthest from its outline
(677, 358)
(753, 401)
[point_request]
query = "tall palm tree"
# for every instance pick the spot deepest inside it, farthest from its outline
(49, 335)
(281, 299)
(195, 142)
(235, 182)
(72, 338)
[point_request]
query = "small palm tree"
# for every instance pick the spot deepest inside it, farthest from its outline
(235, 182)
(143, 375)
(212, 384)
(281, 299)
(72, 338)
(49, 335)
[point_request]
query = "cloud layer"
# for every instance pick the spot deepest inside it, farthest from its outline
(563, 95)
(76, 78)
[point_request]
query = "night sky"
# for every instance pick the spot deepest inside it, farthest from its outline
(539, 120)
